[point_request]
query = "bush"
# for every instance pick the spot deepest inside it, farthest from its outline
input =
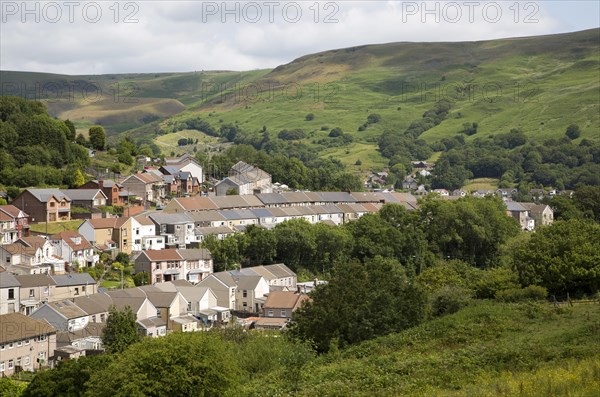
(310, 117)
(448, 300)
(530, 293)
(494, 280)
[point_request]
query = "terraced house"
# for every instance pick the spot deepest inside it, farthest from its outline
(25, 343)
(14, 224)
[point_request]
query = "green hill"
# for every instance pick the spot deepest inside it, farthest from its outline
(538, 84)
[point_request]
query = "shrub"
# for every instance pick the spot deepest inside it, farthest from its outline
(494, 280)
(448, 300)
(530, 293)
(310, 117)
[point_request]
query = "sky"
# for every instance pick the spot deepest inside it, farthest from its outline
(105, 37)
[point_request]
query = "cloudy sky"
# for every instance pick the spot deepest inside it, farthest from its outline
(96, 37)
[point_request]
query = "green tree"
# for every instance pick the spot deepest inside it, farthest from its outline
(179, 364)
(78, 179)
(261, 245)
(68, 378)
(295, 242)
(97, 137)
(471, 229)
(72, 130)
(563, 257)
(10, 388)
(360, 302)
(121, 330)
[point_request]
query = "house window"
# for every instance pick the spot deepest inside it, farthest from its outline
(83, 288)
(1, 347)
(270, 313)
(46, 290)
(11, 345)
(102, 317)
(18, 361)
(28, 341)
(31, 293)
(11, 293)
(283, 313)
(52, 204)
(19, 343)
(27, 360)
(245, 294)
(11, 364)
(2, 366)
(76, 291)
(189, 307)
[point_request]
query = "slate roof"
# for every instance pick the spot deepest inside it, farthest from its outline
(82, 194)
(195, 254)
(94, 304)
(35, 280)
(16, 326)
(66, 280)
(43, 195)
(7, 280)
(66, 308)
(171, 219)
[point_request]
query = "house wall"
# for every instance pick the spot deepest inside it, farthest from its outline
(33, 297)
(73, 291)
(10, 305)
(225, 295)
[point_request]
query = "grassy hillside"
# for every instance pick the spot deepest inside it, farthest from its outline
(488, 349)
(540, 84)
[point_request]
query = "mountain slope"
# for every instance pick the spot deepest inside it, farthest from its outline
(539, 84)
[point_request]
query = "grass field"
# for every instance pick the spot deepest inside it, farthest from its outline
(481, 184)
(168, 142)
(55, 227)
(488, 349)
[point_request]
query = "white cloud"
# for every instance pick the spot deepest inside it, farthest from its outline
(189, 35)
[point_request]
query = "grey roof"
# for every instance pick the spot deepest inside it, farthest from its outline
(205, 231)
(82, 194)
(272, 198)
(337, 197)
(280, 270)
(152, 322)
(171, 169)
(7, 280)
(238, 214)
(245, 282)
(66, 280)
(94, 304)
(170, 219)
(193, 294)
(35, 280)
(44, 194)
(514, 206)
(206, 216)
(224, 277)
(67, 308)
(195, 254)
(184, 175)
(262, 213)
